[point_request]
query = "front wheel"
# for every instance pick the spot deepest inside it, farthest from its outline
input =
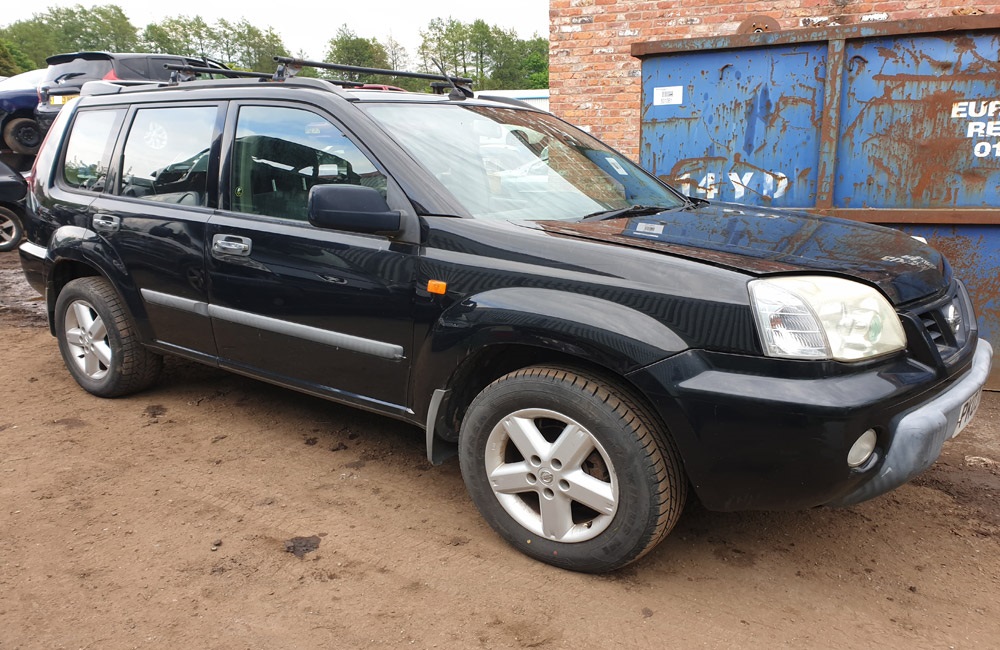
(99, 341)
(11, 230)
(570, 469)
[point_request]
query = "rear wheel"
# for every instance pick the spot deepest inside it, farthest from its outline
(570, 469)
(22, 135)
(99, 341)
(11, 230)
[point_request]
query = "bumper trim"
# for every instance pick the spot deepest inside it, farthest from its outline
(919, 435)
(34, 250)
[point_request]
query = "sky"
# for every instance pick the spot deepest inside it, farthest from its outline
(308, 24)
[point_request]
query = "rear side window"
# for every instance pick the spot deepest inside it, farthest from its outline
(156, 69)
(88, 151)
(133, 68)
(167, 154)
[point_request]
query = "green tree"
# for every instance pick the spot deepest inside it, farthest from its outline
(446, 42)
(245, 46)
(21, 60)
(238, 43)
(180, 35)
(72, 29)
(347, 48)
(109, 29)
(399, 59)
(8, 66)
(396, 54)
(493, 57)
(35, 38)
(536, 63)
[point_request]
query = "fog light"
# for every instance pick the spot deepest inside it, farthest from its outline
(862, 449)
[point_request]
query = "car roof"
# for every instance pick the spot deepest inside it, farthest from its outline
(66, 57)
(225, 87)
(23, 81)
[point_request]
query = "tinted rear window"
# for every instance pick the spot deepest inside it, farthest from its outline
(156, 69)
(78, 69)
(133, 68)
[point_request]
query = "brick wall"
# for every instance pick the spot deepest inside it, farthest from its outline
(595, 82)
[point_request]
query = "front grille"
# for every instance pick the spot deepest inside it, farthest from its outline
(948, 322)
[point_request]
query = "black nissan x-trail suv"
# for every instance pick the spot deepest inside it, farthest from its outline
(592, 343)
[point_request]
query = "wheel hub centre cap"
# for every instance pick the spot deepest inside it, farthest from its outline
(545, 476)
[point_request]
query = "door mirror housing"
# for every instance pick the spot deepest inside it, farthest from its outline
(354, 208)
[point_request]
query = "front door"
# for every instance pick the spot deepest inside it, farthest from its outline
(324, 311)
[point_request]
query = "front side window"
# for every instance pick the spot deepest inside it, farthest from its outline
(85, 165)
(504, 163)
(167, 154)
(281, 153)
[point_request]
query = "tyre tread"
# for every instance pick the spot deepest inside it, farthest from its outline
(139, 367)
(662, 457)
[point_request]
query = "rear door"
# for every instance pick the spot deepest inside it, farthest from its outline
(156, 216)
(324, 311)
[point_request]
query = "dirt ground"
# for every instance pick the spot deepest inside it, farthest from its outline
(165, 520)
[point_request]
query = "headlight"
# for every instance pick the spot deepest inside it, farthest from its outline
(815, 317)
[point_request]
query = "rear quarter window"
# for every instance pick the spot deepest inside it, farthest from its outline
(88, 148)
(132, 68)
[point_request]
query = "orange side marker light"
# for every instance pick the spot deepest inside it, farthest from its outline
(437, 286)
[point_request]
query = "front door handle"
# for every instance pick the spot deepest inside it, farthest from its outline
(106, 223)
(232, 245)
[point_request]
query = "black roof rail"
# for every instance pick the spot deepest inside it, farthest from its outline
(289, 67)
(240, 74)
(513, 101)
(224, 72)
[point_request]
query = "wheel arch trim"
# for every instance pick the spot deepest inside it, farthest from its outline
(563, 327)
(81, 246)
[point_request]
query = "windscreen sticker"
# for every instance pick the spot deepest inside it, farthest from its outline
(617, 166)
(644, 229)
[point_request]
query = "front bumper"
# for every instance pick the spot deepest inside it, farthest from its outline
(919, 434)
(758, 434)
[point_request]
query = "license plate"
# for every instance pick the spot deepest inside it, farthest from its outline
(59, 100)
(967, 412)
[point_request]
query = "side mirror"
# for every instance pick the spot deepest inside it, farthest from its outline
(354, 208)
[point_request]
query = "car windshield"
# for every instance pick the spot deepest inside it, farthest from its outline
(507, 163)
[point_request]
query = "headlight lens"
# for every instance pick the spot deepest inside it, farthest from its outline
(815, 317)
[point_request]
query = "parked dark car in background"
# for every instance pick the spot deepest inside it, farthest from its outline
(13, 188)
(68, 72)
(18, 99)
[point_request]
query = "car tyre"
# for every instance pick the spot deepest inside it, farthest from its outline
(11, 230)
(23, 135)
(571, 469)
(99, 340)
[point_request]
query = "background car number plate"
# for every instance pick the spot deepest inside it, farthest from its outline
(967, 411)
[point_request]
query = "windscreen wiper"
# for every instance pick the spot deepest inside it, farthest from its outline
(66, 76)
(632, 211)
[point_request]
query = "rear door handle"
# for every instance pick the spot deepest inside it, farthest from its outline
(232, 245)
(106, 223)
